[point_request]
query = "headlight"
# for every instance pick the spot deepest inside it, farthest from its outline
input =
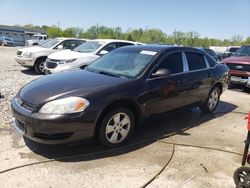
(27, 54)
(66, 61)
(65, 106)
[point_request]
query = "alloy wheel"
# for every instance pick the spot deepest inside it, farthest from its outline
(213, 99)
(117, 128)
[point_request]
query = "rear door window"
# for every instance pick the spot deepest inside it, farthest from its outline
(195, 61)
(111, 46)
(121, 44)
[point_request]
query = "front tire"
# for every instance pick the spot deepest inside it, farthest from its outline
(39, 66)
(116, 127)
(212, 101)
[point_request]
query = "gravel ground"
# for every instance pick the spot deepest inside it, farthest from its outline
(13, 77)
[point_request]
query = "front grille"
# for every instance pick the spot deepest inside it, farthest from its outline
(240, 67)
(53, 136)
(19, 53)
(51, 65)
(20, 125)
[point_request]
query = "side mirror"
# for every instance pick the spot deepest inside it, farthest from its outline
(103, 52)
(161, 72)
(60, 47)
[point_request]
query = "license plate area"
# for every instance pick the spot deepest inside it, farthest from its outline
(235, 78)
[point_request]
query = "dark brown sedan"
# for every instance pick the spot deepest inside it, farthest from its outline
(112, 94)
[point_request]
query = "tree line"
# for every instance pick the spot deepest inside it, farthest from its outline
(152, 35)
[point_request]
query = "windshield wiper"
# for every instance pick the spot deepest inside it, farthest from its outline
(108, 74)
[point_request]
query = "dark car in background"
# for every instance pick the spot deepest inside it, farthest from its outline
(239, 65)
(229, 51)
(6, 41)
(211, 53)
(108, 98)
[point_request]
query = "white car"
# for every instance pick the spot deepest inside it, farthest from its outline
(83, 54)
(36, 40)
(34, 57)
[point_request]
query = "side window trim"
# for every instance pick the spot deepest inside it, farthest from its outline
(185, 62)
(207, 64)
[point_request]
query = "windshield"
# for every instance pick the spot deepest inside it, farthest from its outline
(49, 43)
(243, 51)
(129, 63)
(7, 39)
(89, 46)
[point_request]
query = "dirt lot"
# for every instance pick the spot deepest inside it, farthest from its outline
(131, 166)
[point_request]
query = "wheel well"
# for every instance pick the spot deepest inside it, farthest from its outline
(219, 85)
(39, 59)
(121, 103)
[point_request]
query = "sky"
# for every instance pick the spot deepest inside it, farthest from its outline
(211, 18)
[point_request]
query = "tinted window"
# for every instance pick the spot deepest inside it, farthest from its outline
(68, 44)
(121, 44)
(173, 63)
(211, 62)
(243, 51)
(195, 61)
(233, 49)
(79, 42)
(110, 47)
(210, 52)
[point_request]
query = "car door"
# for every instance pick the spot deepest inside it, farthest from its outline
(168, 92)
(199, 76)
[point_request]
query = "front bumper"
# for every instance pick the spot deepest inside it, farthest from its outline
(26, 62)
(240, 78)
(52, 129)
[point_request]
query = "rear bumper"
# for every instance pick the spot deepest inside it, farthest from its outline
(26, 62)
(52, 129)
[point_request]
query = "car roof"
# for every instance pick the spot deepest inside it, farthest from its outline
(113, 40)
(64, 38)
(159, 48)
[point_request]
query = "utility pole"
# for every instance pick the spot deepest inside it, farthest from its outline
(97, 30)
(58, 26)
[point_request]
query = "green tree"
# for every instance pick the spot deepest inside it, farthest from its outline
(54, 31)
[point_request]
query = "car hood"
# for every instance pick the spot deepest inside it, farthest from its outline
(34, 49)
(73, 83)
(237, 60)
(66, 55)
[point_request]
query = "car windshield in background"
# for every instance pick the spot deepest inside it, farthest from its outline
(7, 39)
(49, 43)
(243, 51)
(123, 63)
(34, 37)
(89, 46)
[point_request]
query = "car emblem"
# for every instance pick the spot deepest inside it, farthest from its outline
(238, 67)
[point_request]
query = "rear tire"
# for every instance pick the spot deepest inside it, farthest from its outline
(116, 127)
(39, 66)
(212, 100)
